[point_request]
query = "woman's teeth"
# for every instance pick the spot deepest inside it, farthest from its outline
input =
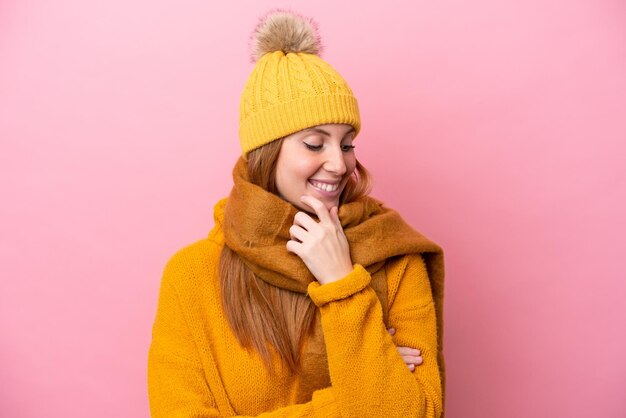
(324, 186)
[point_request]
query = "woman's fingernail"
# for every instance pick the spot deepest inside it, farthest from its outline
(411, 366)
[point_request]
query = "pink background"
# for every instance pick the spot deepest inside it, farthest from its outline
(498, 129)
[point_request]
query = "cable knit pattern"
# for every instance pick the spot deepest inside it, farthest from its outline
(196, 367)
(301, 83)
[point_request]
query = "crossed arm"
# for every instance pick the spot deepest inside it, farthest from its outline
(369, 376)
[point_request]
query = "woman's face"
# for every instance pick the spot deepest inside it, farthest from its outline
(316, 161)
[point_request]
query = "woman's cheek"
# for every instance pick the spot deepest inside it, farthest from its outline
(350, 166)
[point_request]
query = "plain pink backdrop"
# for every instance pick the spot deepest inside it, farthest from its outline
(498, 129)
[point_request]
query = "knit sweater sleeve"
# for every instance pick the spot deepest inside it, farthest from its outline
(368, 375)
(177, 386)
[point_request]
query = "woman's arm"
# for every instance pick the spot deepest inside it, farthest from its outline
(176, 382)
(354, 330)
(368, 375)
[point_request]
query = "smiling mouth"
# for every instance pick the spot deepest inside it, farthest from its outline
(328, 188)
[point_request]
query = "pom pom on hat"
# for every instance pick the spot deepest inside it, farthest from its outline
(290, 87)
(287, 31)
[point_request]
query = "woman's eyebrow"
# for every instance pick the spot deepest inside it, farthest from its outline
(321, 131)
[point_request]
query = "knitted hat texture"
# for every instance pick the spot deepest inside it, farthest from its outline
(290, 87)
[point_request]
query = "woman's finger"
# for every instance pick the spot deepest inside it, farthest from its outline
(318, 207)
(334, 213)
(294, 247)
(305, 221)
(410, 356)
(409, 351)
(412, 359)
(297, 233)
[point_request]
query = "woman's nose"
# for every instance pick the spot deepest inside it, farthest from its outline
(335, 162)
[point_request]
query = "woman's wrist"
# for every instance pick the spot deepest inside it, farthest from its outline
(338, 275)
(357, 280)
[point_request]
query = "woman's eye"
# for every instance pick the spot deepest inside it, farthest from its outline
(344, 148)
(313, 147)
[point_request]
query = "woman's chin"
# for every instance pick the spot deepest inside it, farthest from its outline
(328, 204)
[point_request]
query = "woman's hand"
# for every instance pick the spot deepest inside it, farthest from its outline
(322, 245)
(411, 356)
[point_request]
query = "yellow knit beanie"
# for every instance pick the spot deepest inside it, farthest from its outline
(290, 88)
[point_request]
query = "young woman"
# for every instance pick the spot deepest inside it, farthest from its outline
(308, 297)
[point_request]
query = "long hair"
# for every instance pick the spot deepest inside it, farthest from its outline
(260, 314)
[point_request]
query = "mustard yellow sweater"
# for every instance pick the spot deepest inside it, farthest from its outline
(196, 367)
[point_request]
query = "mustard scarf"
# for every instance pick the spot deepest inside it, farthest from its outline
(256, 226)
